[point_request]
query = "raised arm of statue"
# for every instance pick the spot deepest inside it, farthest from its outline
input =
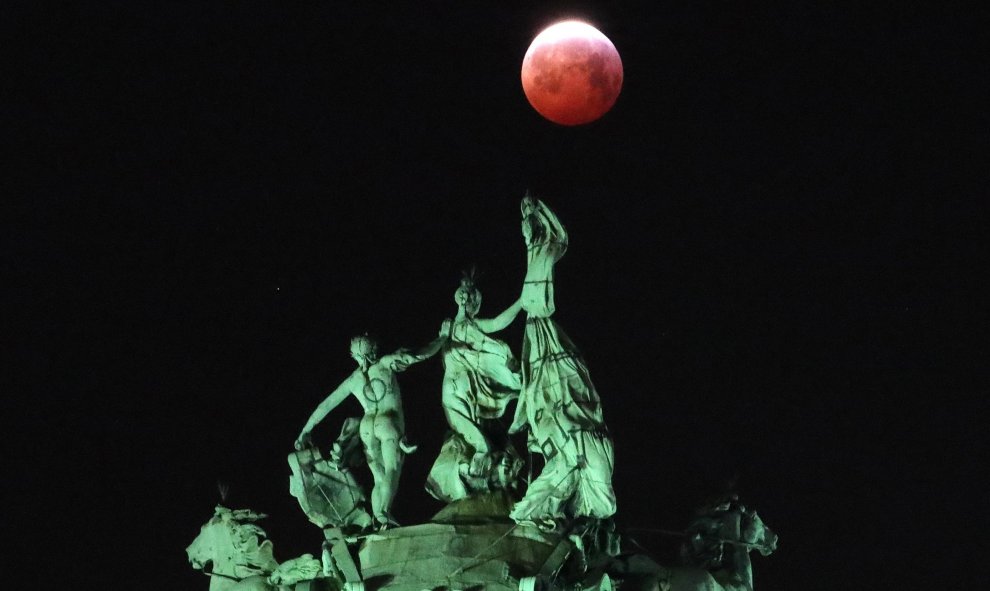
(542, 227)
(489, 325)
(329, 403)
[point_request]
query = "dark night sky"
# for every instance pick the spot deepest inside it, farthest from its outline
(772, 269)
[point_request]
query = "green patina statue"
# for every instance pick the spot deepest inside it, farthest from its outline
(240, 557)
(326, 488)
(481, 378)
(382, 429)
(559, 406)
(558, 535)
(716, 546)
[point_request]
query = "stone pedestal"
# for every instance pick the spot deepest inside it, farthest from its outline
(459, 556)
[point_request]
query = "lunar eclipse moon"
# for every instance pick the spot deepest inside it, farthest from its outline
(572, 73)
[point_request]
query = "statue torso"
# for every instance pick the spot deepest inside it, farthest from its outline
(377, 389)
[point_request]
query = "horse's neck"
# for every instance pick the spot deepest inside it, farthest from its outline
(225, 550)
(221, 583)
(740, 569)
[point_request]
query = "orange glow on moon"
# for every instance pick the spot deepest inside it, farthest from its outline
(571, 73)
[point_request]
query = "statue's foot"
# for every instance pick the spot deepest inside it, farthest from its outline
(545, 524)
(406, 446)
(385, 521)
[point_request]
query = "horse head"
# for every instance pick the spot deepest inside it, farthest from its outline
(235, 549)
(202, 550)
(757, 534)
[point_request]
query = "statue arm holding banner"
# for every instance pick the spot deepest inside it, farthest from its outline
(331, 402)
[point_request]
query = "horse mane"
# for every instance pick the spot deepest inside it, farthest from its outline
(236, 548)
(252, 545)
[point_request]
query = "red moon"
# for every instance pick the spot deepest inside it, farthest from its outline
(571, 73)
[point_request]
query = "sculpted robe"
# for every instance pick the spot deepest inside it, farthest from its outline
(558, 403)
(479, 382)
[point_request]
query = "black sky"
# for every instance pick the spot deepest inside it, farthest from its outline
(774, 266)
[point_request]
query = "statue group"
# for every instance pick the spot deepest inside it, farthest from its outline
(554, 531)
(557, 406)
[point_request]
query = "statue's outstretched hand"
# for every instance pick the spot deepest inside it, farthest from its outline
(407, 446)
(303, 441)
(404, 357)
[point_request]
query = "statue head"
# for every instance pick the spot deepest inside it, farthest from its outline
(528, 204)
(364, 349)
(468, 296)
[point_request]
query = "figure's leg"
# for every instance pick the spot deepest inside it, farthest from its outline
(460, 417)
(594, 496)
(373, 453)
(388, 435)
(545, 498)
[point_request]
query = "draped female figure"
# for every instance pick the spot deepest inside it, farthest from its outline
(558, 404)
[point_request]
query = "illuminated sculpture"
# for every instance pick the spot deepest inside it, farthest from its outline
(327, 489)
(240, 555)
(382, 428)
(494, 534)
(716, 548)
(480, 378)
(559, 405)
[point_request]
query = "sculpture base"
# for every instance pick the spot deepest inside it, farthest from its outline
(459, 556)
